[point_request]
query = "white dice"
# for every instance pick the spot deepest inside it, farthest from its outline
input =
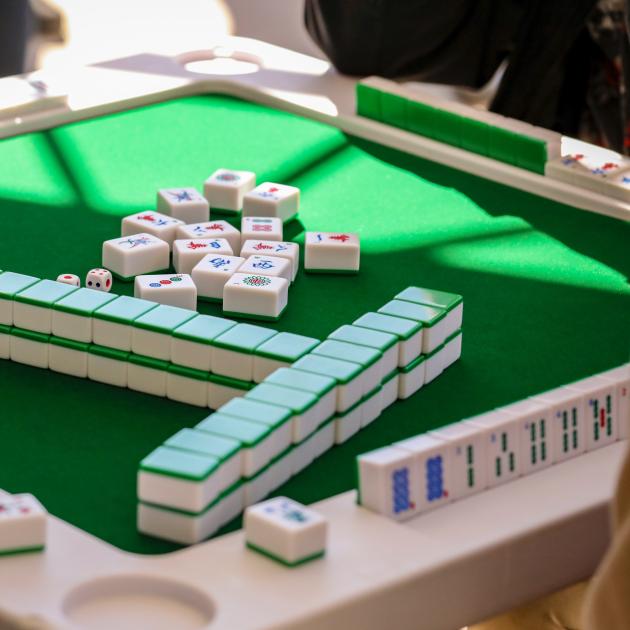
(224, 189)
(285, 530)
(22, 524)
(257, 296)
(185, 204)
(151, 222)
(280, 249)
(212, 229)
(267, 266)
(69, 278)
(172, 289)
(212, 272)
(332, 252)
(99, 279)
(135, 255)
(272, 200)
(269, 228)
(188, 252)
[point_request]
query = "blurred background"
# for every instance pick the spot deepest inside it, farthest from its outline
(38, 34)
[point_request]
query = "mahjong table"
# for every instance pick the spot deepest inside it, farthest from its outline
(543, 269)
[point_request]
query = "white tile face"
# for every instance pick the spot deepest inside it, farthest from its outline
(191, 354)
(105, 370)
(432, 469)
(285, 529)
(212, 272)
(174, 289)
(22, 523)
(31, 317)
(111, 334)
(371, 409)
(274, 476)
(279, 249)
(452, 351)
(434, 366)
(267, 228)
(566, 409)
(99, 280)
(468, 459)
(618, 185)
(29, 352)
(390, 391)
(347, 425)
(267, 266)
(212, 230)
(255, 295)
(188, 252)
(219, 395)
(182, 494)
(134, 255)
(332, 251)
(187, 390)
(67, 361)
(239, 365)
(535, 436)
(150, 222)
(5, 346)
(272, 200)
(502, 438)
(410, 382)
(70, 326)
(146, 380)
(69, 278)
(389, 483)
(186, 204)
(224, 189)
(151, 344)
(600, 410)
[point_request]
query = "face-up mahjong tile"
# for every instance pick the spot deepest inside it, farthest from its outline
(186, 204)
(160, 225)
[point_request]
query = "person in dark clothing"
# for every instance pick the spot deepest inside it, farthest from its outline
(15, 30)
(568, 61)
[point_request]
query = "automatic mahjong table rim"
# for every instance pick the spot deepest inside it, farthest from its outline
(464, 562)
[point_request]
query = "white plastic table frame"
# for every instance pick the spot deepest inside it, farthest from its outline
(444, 569)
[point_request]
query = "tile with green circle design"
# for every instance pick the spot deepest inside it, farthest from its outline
(433, 320)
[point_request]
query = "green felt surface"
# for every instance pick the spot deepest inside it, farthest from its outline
(544, 284)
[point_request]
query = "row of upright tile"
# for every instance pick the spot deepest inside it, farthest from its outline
(165, 344)
(203, 477)
(429, 470)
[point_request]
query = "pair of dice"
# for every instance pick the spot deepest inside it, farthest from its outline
(98, 279)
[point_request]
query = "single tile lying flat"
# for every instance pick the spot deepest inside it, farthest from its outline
(22, 524)
(285, 531)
